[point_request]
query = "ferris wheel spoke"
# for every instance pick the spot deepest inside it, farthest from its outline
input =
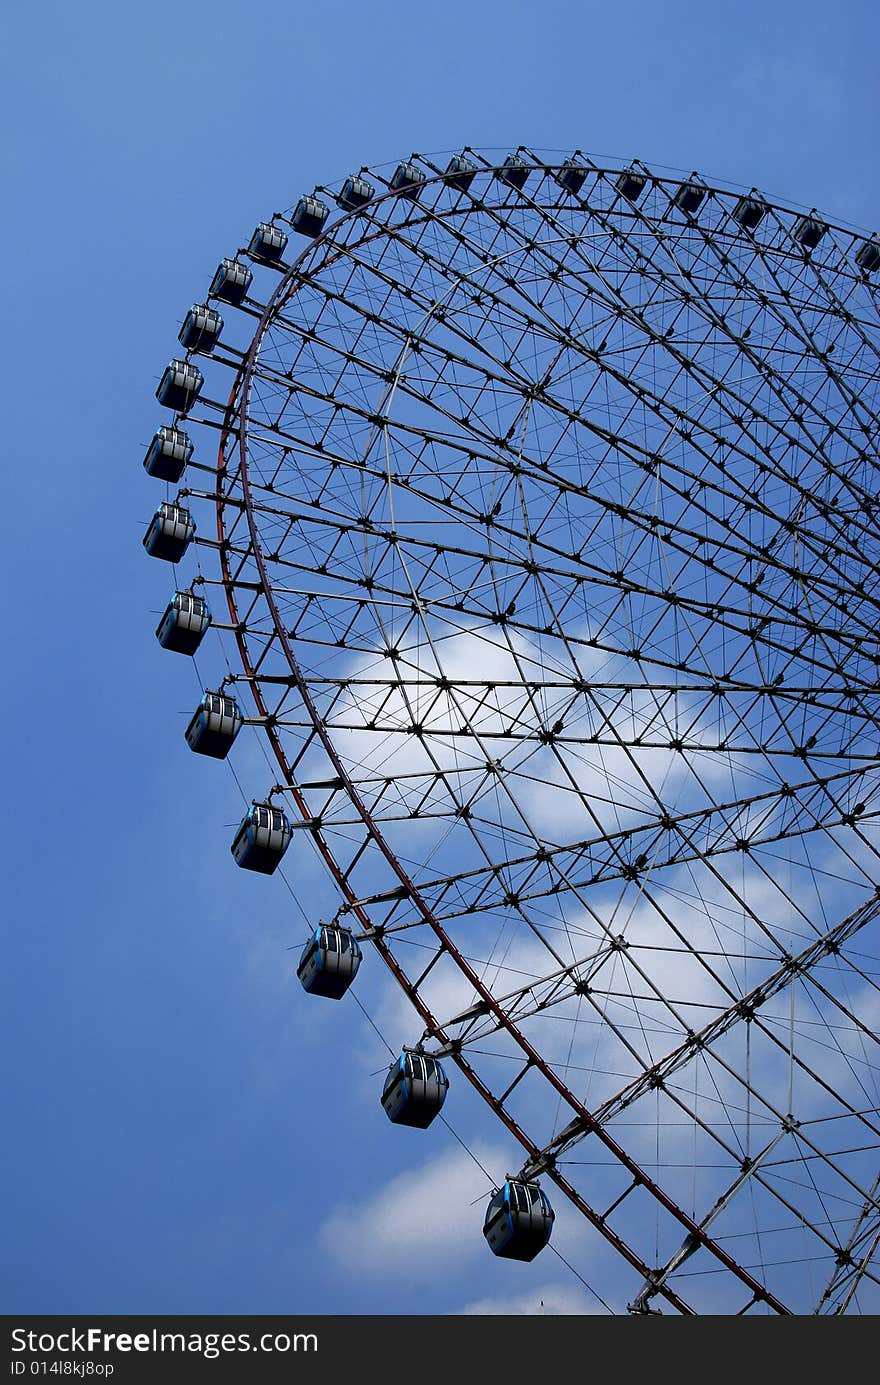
(741, 403)
(669, 597)
(854, 1258)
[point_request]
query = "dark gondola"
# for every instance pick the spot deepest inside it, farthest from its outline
(749, 212)
(355, 193)
(515, 171)
(214, 726)
(231, 281)
(571, 176)
(460, 172)
(262, 839)
(168, 453)
(180, 386)
(808, 231)
(183, 623)
(329, 961)
(689, 198)
(309, 216)
(170, 532)
(408, 181)
(631, 184)
(519, 1220)
(414, 1090)
(201, 329)
(267, 244)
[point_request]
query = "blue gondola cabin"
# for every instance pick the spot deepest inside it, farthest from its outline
(262, 839)
(749, 212)
(689, 198)
(415, 1089)
(571, 176)
(519, 1220)
(170, 532)
(460, 172)
(329, 961)
(868, 256)
(309, 216)
(514, 171)
(355, 193)
(214, 725)
(631, 184)
(408, 181)
(168, 453)
(201, 329)
(231, 281)
(267, 244)
(184, 622)
(808, 231)
(180, 386)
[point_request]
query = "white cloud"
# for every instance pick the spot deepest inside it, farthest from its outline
(554, 1300)
(424, 1214)
(580, 789)
(400, 1022)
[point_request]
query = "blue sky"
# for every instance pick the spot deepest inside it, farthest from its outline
(186, 1135)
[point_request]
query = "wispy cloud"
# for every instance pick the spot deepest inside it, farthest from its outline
(424, 1214)
(555, 1300)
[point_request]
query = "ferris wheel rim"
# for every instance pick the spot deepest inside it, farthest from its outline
(244, 383)
(375, 937)
(447, 944)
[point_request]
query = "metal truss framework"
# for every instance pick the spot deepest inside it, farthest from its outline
(547, 523)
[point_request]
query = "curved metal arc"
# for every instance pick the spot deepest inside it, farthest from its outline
(601, 214)
(363, 918)
(412, 988)
(288, 773)
(536, 475)
(758, 1290)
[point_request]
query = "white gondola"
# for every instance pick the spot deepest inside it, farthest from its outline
(214, 725)
(231, 281)
(184, 622)
(267, 244)
(519, 1220)
(309, 216)
(201, 329)
(180, 386)
(514, 171)
(415, 1089)
(168, 454)
(329, 961)
(170, 532)
(262, 839)
(408, 181)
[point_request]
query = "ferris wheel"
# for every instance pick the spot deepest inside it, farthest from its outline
(540, 500)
